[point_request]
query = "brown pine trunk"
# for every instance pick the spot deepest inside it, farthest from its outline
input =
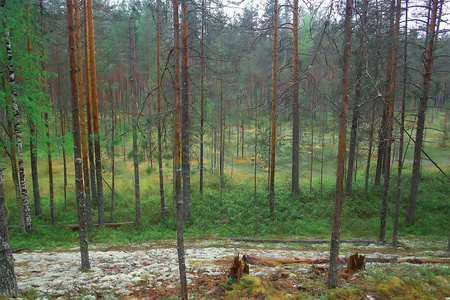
(390, 101)
(177, 154)
(274, 109)
(185, 120)
(93, 82)
(87, 189)
(423, 103)
(8, 282)
(137, 192)
(339, 195)
(295, 106)
(158, 89)
(77, 142)
(91, 157)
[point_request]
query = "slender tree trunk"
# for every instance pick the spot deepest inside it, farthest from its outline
(222, 141)
(137, 193)
(33, 134)
(357, 99)
(202, 98)
(185, 118)
(8, 282)
(87, 188)
(62, 116)
(369, 154)
(50, 172)
(17, 131)
(274, 109)
(339, 195)
(311, 149)
(428, 58)
(91, 157)
(177, 158)
(113, 170)
(77, 142)
(158, 90)
(256, 153)
(402, 134)
(295, 106)
(390, 101)
(93, 81)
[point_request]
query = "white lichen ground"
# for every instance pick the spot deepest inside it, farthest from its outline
(117, 273)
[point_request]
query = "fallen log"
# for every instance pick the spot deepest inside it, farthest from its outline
(254, 259)
(114, 225)
(309, 241)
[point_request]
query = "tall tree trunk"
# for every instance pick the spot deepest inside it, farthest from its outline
(295, 106)
(402, 133)
(50, 171)
(77, 142)
(274, 109)
(369, 151)
(87, 80)
(93, 81)
(355, 115)
(158, 90)
(390, 101)
(339, 195)
(202, 97)
(137, 193)
(427, 70)
(87, 188)
(17, 130)
(8, 282)
(33, 134)
(185, 119)
(62, 116)
(177, 154)
(222, 140)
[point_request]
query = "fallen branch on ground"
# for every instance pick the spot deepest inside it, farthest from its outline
(254, 259)
(256, 240)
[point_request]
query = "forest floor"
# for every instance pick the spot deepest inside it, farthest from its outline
(150, 271)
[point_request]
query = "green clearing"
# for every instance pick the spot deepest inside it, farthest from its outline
(247, 212)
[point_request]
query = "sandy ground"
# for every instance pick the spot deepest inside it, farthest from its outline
(131, 271)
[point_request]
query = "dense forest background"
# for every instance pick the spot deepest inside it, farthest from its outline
(209, 111)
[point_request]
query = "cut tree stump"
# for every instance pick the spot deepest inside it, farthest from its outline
(238, 269)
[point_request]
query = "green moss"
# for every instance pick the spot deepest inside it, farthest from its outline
(344, 293)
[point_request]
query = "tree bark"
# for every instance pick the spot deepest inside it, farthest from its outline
(17, 131)
(389, 102)
(50, 172)
(158, 90)
(91, 156)
(402, 134)
(87, 188)
(295, 106)
(202, 98)
(137, 193)
(185, 120)
(93, 81)
(77, 142)
(8, 282)
(274, 109)
(339, 195)
(427, 70)
(177, 154)
(357, 99)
